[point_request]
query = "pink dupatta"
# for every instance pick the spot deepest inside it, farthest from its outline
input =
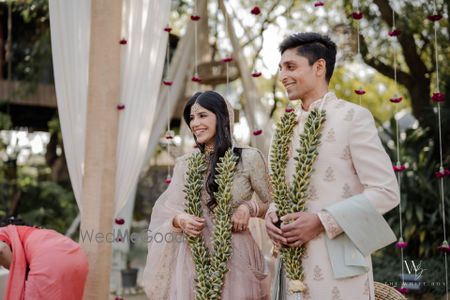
(15, 288)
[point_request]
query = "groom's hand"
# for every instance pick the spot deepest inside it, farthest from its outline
(273, 231)
(299, 228)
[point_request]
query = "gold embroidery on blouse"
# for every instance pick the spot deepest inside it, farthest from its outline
(252, 176)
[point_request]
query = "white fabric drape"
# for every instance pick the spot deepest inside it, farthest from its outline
(70, 36)
(142, 65)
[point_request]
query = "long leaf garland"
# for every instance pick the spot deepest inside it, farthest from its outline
(211, 269)
(292, 198)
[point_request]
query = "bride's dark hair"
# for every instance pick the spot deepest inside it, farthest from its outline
(215, 103)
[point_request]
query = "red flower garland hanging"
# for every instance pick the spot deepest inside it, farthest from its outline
(196, 78)
(399, 168)
(401, 243)
(394, 33)
(442, 173)
(434, 18)
(227, 59)
(255, 10)
(119, 221)
(396, 99)
(360, 92)
(256, 74)
(257, 132)
(356, 15)
(438, 97)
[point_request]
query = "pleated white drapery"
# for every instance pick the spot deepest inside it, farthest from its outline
(70, 23)
(141, 71)
(142, 63)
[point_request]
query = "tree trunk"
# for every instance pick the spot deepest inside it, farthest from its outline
(257, 115)
(102, 118)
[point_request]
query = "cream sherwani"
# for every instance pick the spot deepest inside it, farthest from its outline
(351, 162)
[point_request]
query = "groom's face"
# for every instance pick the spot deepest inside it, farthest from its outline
(297, 75)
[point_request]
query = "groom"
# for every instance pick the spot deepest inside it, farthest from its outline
(352, 183)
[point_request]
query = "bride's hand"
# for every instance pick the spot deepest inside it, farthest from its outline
(240, 218)
(191, 225)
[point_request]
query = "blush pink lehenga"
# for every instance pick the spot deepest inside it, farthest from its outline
(169, 272)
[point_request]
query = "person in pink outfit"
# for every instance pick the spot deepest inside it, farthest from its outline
(43, 264)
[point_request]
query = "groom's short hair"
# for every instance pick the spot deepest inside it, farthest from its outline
(312, 46)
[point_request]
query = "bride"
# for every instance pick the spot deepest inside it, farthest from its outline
(207, 251)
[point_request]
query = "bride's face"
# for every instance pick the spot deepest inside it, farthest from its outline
(203, 124)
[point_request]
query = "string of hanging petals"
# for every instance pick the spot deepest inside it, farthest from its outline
(227, 60)
(398, 166)
(256, 11)
(195, 18)
(168, 83)
(439, 98)
(357, 15)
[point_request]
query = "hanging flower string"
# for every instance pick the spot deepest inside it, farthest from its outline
(169, 133)
(438, 98)
(194, 17)
(256, 74)
(255, 10)
(319, 3)
(398, 167)
(357, 15)
(120, 106)
(257, 131)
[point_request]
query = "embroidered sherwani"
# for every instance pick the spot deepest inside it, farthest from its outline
(351, 163)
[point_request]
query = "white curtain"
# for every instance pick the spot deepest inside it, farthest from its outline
(141, 71)
(142, 63)
(70, 36)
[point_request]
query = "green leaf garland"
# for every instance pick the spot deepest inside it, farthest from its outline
(211, 269)
(292, 198)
